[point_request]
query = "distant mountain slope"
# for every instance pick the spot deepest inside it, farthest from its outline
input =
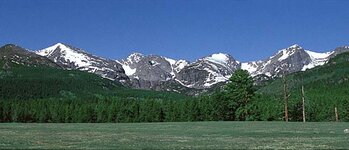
(289, 60)
(75, 58)
(42, 78)
(14, 54)
(320, 82)
(36, 77)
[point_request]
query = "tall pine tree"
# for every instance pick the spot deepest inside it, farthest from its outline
(239, 92)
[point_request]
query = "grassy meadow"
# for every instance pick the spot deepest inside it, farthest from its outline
(175, 135)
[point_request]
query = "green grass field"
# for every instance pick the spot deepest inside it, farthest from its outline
(181, 135)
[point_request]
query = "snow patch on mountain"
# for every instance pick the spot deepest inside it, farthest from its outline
(288, 52)
(135, 58)
(317, 59)
(249, 66)
(171, 61)
(180, 64)
(285, 54)
(128, 70)
(154, 63)
(219, 58)
(48, 51)
(214, 78)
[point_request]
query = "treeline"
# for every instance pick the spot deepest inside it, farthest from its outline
(215, 107)
(210, 108)
(107, 110)
(237, 101)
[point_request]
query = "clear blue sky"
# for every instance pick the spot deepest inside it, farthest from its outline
(188, 29)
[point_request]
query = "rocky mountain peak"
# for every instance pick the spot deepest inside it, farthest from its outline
(75, 58)
(287, 52)
(70, 56)
(207, 71)
(9, 46)
(62, 48)
(135, 57)
(287, 60)
(49, 50)
(294, 46)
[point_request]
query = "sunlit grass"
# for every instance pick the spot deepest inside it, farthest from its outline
(185, 135)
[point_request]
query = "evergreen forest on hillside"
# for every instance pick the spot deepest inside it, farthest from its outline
(44, 94)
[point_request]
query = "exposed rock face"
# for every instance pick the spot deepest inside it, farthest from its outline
(75, 58)
(208, 71)
(339, 50)
(289, 60)
(286, 61)
(153, 68)
(147, 72)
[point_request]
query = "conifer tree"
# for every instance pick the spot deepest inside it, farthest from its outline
(239, 92)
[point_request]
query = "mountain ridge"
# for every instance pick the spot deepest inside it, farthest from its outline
(149, 71)
(11, 53)
(76, 58)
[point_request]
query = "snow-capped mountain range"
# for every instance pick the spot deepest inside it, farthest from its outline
(288, 60)
(150, 71)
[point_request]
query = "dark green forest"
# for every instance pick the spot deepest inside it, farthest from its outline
(44, 94)
(326, 87)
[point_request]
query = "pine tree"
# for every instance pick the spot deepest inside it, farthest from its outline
(239, 92)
